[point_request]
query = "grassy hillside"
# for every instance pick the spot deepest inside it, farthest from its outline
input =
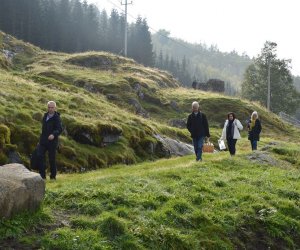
(102, 94)
(245, 202)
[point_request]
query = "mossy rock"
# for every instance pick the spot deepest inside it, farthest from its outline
(23, 116)
(10, 147)
(38, 116)
(92, 61)
(4, 135)
(95, 162)
(3, 158)
(24, 138)
(43, 80)
(4, 64)
(84, 133)
(59, 77)
(108, 128)
(68, 152)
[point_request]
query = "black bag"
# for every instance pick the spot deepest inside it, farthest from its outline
(34, 163)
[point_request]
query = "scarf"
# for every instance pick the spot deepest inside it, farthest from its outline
(230, 129)
(252, 124)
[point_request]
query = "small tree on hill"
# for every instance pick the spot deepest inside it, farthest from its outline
(284, 96)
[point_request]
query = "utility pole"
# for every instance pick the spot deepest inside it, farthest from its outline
(125, 27)
(269, 83)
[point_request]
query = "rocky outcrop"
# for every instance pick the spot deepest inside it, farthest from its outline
(20, 190)
(263, 158)
(177, 123)
(92, 61)
(171, 147)
(174, 106)
(139, 110)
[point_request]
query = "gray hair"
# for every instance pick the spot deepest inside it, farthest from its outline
(195, 104)
(52, 102)
(254, 114)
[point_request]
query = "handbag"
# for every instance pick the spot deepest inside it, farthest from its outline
(208, 147)
(221, 144)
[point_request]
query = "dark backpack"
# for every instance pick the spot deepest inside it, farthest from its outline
(34, 163)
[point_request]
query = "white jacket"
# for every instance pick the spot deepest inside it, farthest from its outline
(236, 133)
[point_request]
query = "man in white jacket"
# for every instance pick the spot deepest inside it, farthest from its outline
(231, 132)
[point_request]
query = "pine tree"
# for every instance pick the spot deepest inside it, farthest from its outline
(114, 34)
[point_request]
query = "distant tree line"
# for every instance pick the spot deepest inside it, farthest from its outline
(179, 68)
(75, 26)
(204, 62)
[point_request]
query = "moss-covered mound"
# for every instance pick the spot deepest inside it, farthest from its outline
(111, 106)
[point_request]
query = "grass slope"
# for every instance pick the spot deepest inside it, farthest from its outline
(177, 203)
(246, 202)
(99, 93)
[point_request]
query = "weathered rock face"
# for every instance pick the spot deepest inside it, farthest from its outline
(20, 190)
(178, 123)
(92, 61)
(171, 147)
(138, 108)
(263, 158)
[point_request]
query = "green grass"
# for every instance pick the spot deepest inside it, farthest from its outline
(94, 97)
(144, 203)
(177, 203)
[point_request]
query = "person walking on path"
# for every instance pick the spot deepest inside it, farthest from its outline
(197, 125)
(254, 129)
(51, 129)
(231, 132)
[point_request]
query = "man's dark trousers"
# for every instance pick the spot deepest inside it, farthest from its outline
(51, 147)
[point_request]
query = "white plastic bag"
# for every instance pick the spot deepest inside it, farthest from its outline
(221, 144)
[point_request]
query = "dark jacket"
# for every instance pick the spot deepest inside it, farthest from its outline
(253, 134)
(198, 125)
(52, 126)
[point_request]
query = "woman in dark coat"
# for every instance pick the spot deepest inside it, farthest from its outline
(254, 129)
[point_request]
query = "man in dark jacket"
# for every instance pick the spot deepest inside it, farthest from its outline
(197, 124)
(51, 129)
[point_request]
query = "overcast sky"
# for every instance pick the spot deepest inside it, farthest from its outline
(241, 25)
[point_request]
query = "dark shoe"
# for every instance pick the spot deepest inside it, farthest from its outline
(52, 178)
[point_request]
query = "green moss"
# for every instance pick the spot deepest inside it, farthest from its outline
(84, 133)
(4, 135)
(24, 138)
(3, 158)
(4, 64)
(23, 116)
(95, 162)
(68, 152)
(109, 128)
(38, 116)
